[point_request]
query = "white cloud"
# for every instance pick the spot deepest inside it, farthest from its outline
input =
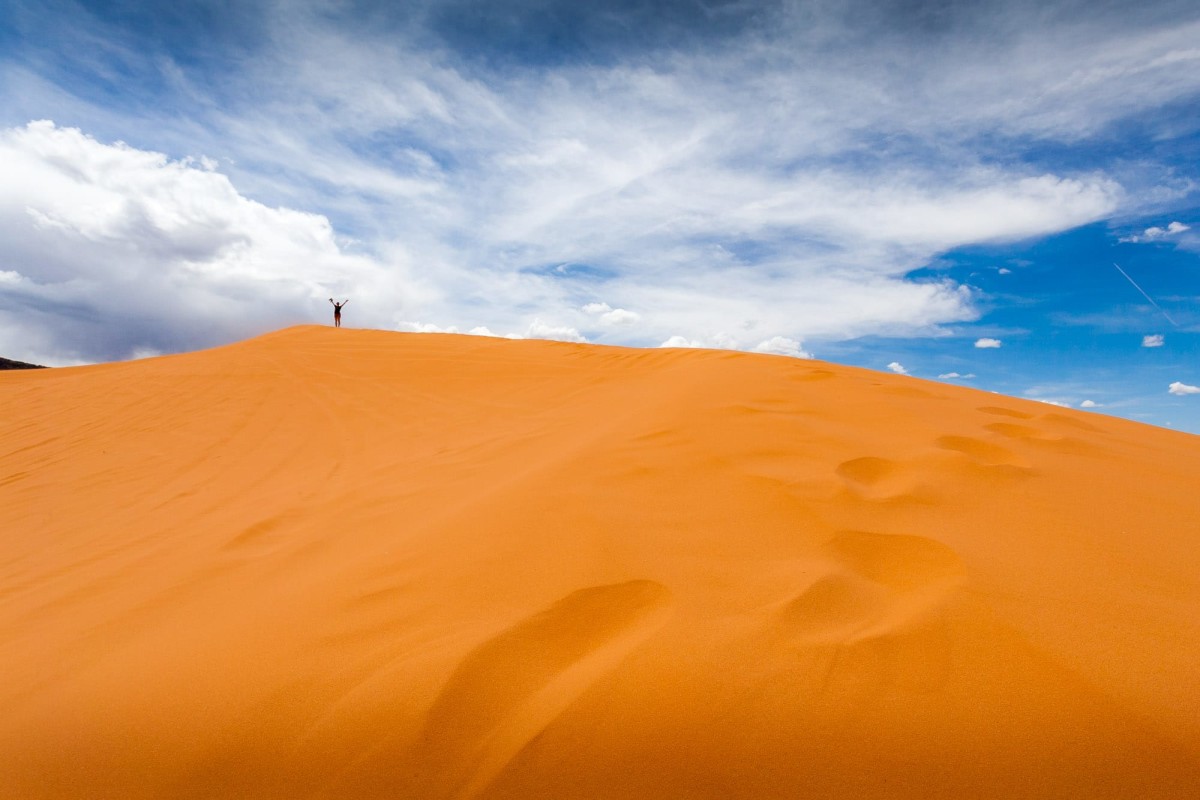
(987, 343)
(429, 327)
(485, 198)
(1181, 389)
(621, 316)
(119, 251)
(1089, 404)
(951, 375)
(986, 207)
(897, 368)
(536, 330)
(781, 345)
(717, 341)
(562, 333)
(1155, 233)
(424, 327)
(1152, 340)
(611, 316)
(1005, 271)
(682, 341)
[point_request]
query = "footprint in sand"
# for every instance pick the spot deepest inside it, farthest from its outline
(511, 687)
(1004, 412)
(908, 391)
(813, 375)
(881, 479)
(983, 453)
(868, 471)
(1071, 422)
(1048, 440)
(882, 581)
(1012, 430)
(879, 611)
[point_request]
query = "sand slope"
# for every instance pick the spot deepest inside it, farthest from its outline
(340, 563)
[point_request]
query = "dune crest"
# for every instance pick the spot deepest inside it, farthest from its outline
(342, 563)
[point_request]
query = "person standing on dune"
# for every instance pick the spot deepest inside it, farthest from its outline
(337, 312)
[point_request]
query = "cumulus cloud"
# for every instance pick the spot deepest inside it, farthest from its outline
(562, 333)
(429, 327)
(716, 341)
(1155, 233)
(114, 251)
(485, 196)
(1089, 404)
(424, 327)
(682, 341)
(897, 368)
(1152, 340)
(611, 316)
(1180, 389)
(781, 345)
(952, 375)
(987, 343)
(536, 330)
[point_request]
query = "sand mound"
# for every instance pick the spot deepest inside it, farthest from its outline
(338, 563)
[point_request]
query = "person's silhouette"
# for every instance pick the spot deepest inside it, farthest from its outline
(337, 312)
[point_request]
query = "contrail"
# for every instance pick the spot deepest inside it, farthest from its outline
(1148, 297)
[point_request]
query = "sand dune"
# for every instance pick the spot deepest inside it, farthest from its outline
(341, 564)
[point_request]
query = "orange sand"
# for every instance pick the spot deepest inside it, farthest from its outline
(357, 564)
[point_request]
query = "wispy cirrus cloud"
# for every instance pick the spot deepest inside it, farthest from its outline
(770, 178)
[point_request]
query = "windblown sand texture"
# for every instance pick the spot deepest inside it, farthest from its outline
(356, 564)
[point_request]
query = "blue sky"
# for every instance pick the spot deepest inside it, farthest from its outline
(936, 188)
